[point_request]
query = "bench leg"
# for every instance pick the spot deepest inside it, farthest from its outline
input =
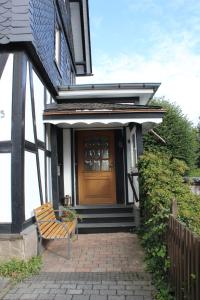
(40, 245)
(76, 230)
(68, 247)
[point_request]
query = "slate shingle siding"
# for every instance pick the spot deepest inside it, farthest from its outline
(34, 21)
(14, 21)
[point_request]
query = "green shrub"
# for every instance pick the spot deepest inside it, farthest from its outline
(18, 270)
(177, 131)
(161, 181)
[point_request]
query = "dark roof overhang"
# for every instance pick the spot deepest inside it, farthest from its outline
(81, 36)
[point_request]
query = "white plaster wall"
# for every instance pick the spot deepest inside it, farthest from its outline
(48, 97)
(6, 100)
(32, 196)
(42, 170)
(39, 105)
(49, 180)
(5, 188)
(29, 134)
(67, 162)
(48, 137)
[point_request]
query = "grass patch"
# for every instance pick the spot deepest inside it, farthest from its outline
(17, 270)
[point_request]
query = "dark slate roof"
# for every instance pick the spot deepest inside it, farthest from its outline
(96, 107)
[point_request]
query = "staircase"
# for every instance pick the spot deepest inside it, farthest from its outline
(106, 218)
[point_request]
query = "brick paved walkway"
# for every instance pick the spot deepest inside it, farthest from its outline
(118, 252)
(103, 267)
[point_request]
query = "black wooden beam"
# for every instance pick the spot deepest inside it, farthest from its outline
(3, 61)
(35, 132)
(130, 177)
(125, 164)
(5, 147)
(139, 139)
(54, 165)
(5, 228)
(18, 134)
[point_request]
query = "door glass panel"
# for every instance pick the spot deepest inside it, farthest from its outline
(105, 165)
(96, 154)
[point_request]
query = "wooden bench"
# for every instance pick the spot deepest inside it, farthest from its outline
(49, 228)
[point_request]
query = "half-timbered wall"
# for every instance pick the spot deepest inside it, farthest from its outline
(25, 143)
(6, 73)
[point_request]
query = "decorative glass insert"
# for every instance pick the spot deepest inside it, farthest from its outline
(96, 154)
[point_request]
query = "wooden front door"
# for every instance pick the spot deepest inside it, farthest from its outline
(96, 167)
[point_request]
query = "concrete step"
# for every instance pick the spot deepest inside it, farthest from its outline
(107, 218)
(106, 227)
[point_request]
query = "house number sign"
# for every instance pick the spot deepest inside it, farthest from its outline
(2, 114)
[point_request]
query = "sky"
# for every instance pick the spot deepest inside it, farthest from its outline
(149, 41)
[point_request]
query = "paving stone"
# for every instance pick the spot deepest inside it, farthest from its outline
(116, 298)
(58, 291)
(80, 297)
(74, 292)
(91, 292)
(143, 292)
(29, 296)
(84, 286)
(125, 292)
(63, 297)
(52, 286)
(12, 296)
(135, 298)
(108, 292)
(69, 285)
(117, 287)
(100, 286)
(96, 297)
(41, 291)
(46, 297)
(25, 290)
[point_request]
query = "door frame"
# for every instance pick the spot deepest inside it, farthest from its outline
(75, 195)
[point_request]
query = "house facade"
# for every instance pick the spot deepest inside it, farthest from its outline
(57, 138)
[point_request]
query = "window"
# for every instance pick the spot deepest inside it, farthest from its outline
(58, 46)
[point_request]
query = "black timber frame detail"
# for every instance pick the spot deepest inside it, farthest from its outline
(139, 139)
(73, 166)
(60, 162)
(5, 228)
(31, 147)
(125, 166)
(35, 132)
(130, 177)
(5, 147)
(3, 61)
(28, 222)
(54, 165)
(18, 134)
(119, 166)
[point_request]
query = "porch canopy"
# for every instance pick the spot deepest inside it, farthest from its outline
(104, 105)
